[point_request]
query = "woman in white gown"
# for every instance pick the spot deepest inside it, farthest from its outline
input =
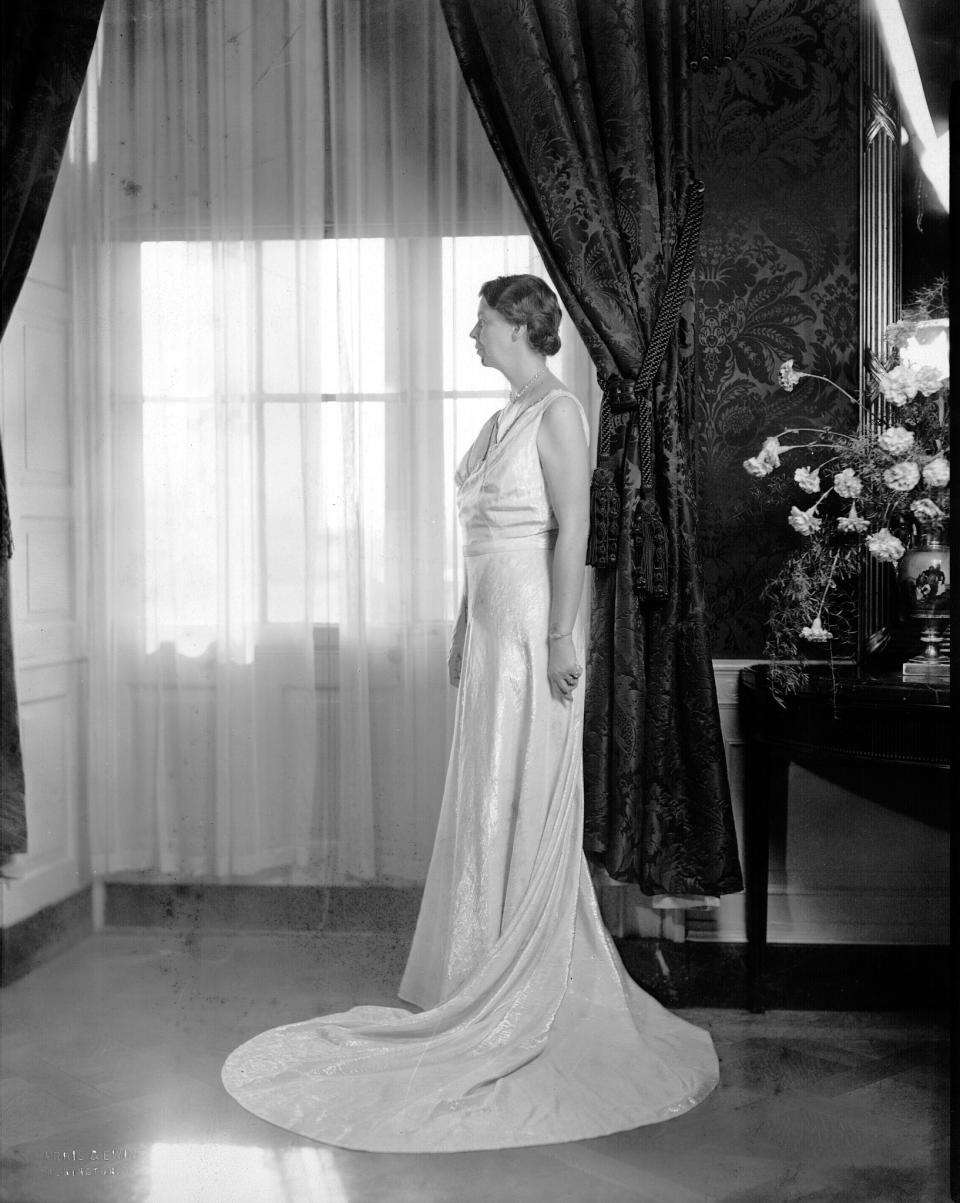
(532, 1031)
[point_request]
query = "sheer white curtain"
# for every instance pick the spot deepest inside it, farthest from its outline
(290, 206)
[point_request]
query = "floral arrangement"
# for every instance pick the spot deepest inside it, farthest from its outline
(879, 485)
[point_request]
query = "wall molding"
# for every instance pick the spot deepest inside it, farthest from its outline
(239, 907)
(40, 937)
(726, 674)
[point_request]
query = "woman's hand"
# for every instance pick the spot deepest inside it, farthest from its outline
(562, 668)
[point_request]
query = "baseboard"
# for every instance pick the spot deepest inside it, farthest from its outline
(210, 906)
(820, 977)
(693, 974)
(41, 936)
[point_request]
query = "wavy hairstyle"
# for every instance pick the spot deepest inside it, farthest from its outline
(527, 301)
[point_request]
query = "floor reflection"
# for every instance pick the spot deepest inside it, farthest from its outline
(110, 1091)
(242, 1174)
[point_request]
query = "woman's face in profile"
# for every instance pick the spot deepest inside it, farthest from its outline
(492, 336)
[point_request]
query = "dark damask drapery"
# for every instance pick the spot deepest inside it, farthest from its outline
(585, 104)
(46, 48)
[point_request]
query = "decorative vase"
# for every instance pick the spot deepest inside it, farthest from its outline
(923, 579)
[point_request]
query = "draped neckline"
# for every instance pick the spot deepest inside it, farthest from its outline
(497, 438)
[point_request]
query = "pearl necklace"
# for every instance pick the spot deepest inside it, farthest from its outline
(498, 427)
(515, 397)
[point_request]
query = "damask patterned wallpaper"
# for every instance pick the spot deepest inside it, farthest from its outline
(776, 137)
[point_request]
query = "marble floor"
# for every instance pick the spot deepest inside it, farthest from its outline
(111, 1057)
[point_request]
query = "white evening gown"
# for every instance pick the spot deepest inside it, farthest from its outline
(533, 1031)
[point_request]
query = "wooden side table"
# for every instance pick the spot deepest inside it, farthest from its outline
(844, 717)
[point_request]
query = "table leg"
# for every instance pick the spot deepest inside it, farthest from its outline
(765, 792)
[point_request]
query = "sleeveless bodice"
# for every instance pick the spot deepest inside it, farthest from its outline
(501, 493)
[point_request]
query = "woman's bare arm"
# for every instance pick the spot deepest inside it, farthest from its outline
(563, 456)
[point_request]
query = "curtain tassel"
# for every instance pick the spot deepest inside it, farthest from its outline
(604, 519)
(649, 551)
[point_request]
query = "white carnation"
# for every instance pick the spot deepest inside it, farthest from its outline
(936, 474)
(847, 484)
(771, 450)
(789, 376)
(758, 465)
(884, 546)
(805, 522)
(896, 440)
(816, 632)
(808, 479)
(902, 477)
(899, 385)
(852, 524)
(929, 380)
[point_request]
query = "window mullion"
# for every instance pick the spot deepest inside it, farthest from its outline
(260, 436)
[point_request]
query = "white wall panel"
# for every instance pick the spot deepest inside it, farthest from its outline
(50, 732)
(46, 398)
(37, 399)
(49, 566)
(45, 729)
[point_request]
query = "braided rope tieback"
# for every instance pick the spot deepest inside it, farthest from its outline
(627, 400)
(648, 533)
(622, 395)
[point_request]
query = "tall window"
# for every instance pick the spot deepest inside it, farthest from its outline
(287, 210)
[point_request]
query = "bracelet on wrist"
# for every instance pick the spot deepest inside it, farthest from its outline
(560, 635)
